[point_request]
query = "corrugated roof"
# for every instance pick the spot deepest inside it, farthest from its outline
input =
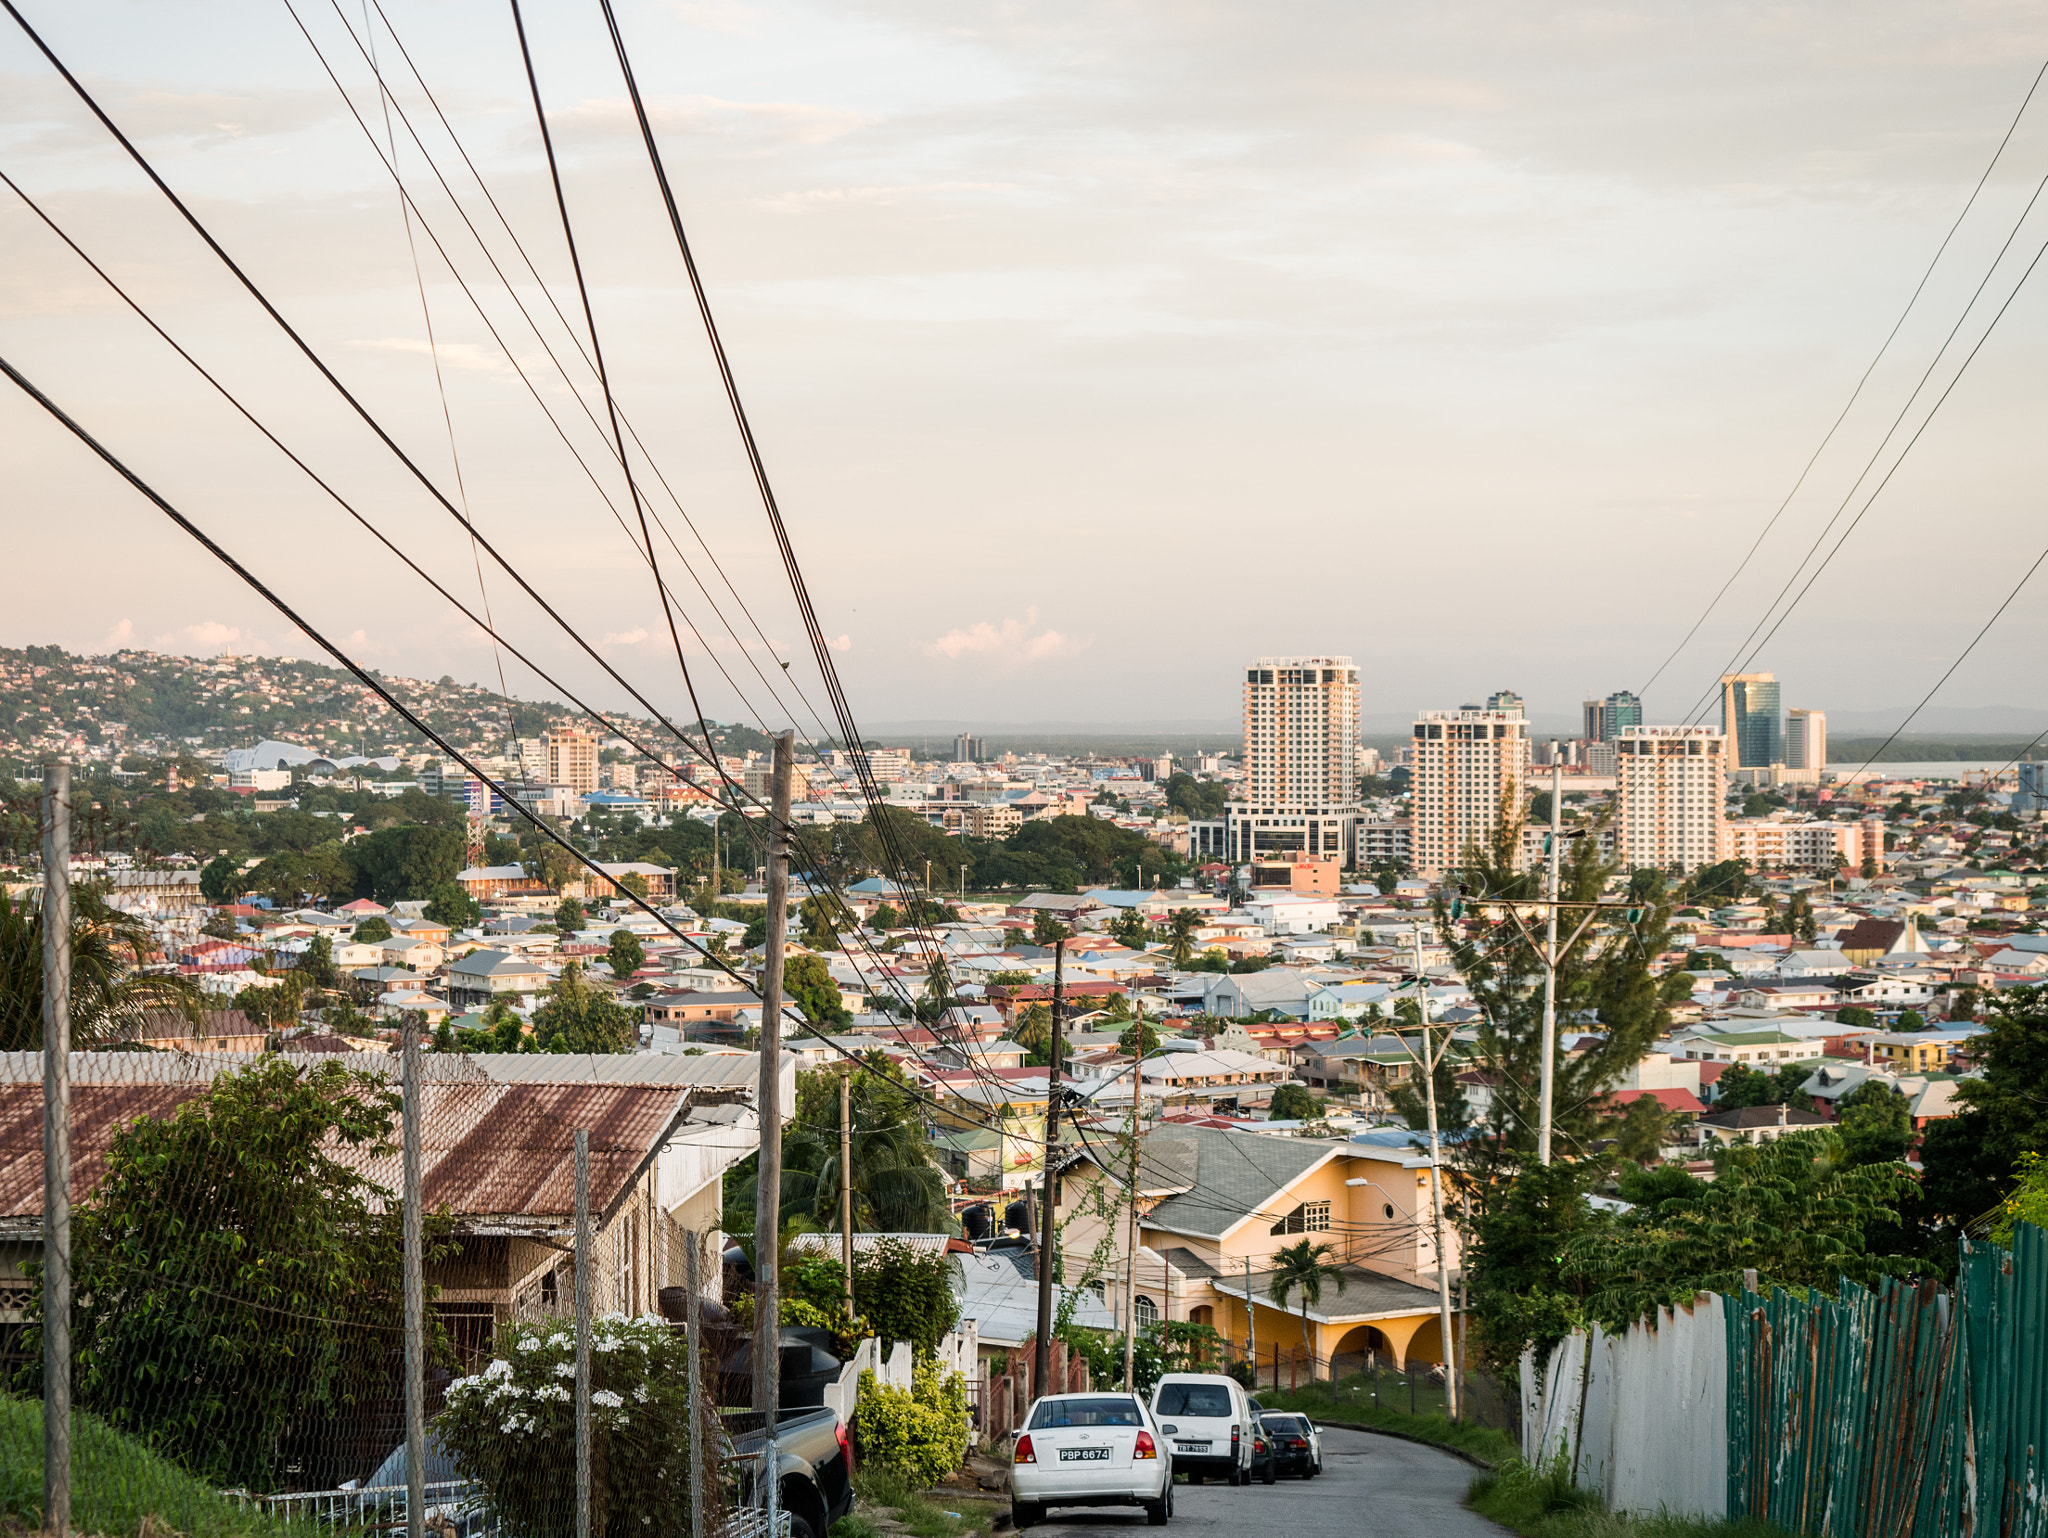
(1236, 1173)
(1366, 1294)
(97, 1112)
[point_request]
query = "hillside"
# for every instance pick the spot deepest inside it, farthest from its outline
(155, 704)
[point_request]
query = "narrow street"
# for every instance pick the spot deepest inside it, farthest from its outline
(1370, 1487)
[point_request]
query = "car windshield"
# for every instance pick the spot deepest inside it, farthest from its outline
(1287, 1423)
(1052, 1414)
(1193, 1399)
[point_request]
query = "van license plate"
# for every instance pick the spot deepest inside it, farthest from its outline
(1084, 1455)
(1191, 1447)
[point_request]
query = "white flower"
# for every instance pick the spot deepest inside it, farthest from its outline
(614, 1317)
(553, 1392)
(529, 1343)
(499, 1368)
(606, 1343)
(510, 1426)
(640, 1392)
(565, 1369)
(605, 1399)
(559, 1339)
(625, 1420)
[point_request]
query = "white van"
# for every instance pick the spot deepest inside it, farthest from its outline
(1207, 1421)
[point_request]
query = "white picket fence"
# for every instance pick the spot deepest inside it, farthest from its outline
(1641, 1417)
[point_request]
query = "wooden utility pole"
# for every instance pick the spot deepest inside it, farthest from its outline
(1547, 1088)
(1041, 1380)
(846, 1179)
(768, 1101)
(56, 819)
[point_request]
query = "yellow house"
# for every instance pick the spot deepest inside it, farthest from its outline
(1215, 1206)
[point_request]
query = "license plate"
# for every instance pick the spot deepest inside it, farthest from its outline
(1084, 1455)
(1191, 1447)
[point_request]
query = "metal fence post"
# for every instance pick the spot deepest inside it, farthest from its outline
(415, 1292)
(56, 821)
(582, 1333)
(694, 1323)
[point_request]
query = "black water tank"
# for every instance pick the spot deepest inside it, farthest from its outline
(978, 1221)
(1018, 1216)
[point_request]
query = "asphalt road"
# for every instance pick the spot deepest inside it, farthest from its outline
(1370, 1487)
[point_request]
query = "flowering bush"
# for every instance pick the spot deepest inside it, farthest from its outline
(920, 1432)
(512, 1427)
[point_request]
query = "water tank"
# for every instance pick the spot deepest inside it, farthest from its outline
(978, 1222)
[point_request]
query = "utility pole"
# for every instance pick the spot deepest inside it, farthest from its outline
(1548, 1083)
(1131, 1220)
(768, 1101)
(1042, 1360)
(846, 1178)
(1251, 1330)
(414, 1287)
(963, 883)
(1436, 1184)
(56, 820)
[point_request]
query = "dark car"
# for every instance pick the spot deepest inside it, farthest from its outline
(1297, 1448)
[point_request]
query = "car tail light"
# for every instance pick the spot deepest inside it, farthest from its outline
(845, 1447)
(1235, 1432)
(1024, 1454)
(1145, 1449)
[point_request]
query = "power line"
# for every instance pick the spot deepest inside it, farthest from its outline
(1855, 394)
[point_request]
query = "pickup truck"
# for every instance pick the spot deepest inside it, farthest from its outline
(814, 1466)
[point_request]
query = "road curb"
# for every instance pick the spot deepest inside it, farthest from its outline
(1401, 1436)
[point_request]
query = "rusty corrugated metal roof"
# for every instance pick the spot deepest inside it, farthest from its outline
(488, 1150)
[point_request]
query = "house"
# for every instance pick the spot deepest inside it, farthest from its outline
(482, 977)
(1764, 1051)
(414, 954)
(1214, 1205)
(697, 1015)
(1221, 1081)
(1355, 1065)
(1236, 994)
(484, 882)
(1757, 1124)
(423, 929)
(1914, 1051)
(1869, 939)
(497, 1143)
(216, 1030)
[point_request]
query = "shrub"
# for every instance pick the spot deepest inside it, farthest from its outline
(512, 1427)
(919, 1432)
(908, 1293)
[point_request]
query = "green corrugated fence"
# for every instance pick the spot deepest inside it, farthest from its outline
(1901, 1412)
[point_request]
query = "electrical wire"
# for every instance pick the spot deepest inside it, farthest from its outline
(1941, 352)
(1855, 394)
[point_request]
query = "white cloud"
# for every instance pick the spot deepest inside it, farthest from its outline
(631, 637)
(207, 635)
(1012, 643)
(840, 643)
(120, 637)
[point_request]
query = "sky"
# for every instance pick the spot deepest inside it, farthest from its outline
(1093, 350)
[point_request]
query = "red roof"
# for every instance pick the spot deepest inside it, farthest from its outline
(1683, 1100)
(1709, 1072)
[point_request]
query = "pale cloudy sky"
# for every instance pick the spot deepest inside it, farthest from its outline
(1093, 348)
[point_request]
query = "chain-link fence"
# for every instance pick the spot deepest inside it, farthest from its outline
(246, 1341)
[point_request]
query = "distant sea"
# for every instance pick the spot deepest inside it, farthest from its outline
(1940, 769)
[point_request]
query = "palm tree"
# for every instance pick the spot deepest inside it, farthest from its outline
(1306, 1265)
(110, 995)
(1180, 931)
(897, 1189)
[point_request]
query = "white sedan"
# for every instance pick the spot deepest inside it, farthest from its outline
(1090, 1450)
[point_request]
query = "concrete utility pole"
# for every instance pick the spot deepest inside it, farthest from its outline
(56, 819)
(1131, 1219)
(846, 1179)
(768, 1100)
(1426, 1062)
(582, 1171)
(1548, 1085)
(1042, 1358)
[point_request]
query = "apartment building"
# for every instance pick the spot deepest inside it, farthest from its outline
(1465, 762)
(1670, 782)
(1806, 743)
(1771, 843)
(758, 780)
(1301, 755)
(571, 754)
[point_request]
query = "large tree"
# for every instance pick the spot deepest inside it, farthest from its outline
(578, 1016)
(1971, 1160)
(110, 995)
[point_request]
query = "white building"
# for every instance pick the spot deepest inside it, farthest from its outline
(1670, 784)
(1300, 795)
(1465, 762)
(1806, 744)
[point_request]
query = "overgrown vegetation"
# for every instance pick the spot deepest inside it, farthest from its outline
(920, 1432)
(1542, 1503)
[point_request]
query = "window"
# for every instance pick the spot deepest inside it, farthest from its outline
(1202, 1399)
(1054, 1414)
(1147, 1311)
(1308, 1218)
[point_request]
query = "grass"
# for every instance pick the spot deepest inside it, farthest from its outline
(1485, 1444)
(885, 1490)
(1543, 1504)
(116, 1483)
